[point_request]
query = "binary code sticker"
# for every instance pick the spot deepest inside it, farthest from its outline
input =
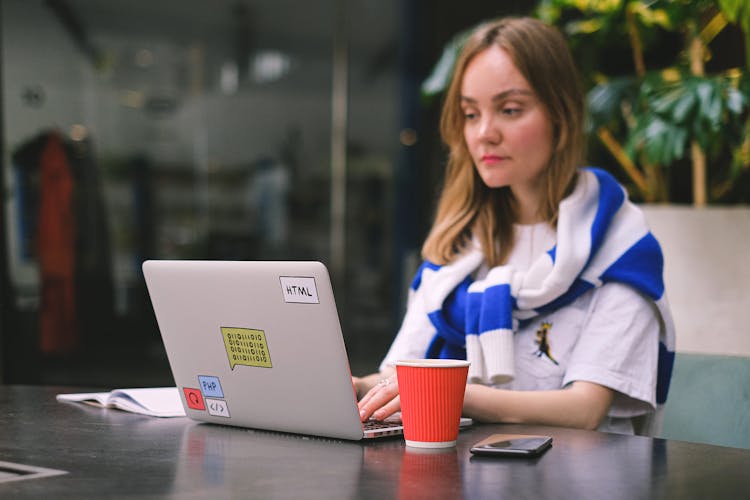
(246, 346)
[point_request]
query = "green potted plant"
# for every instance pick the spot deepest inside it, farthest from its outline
(655, 117)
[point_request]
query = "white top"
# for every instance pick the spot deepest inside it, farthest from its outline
(608, 336)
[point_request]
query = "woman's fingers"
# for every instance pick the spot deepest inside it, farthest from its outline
(385, 386)
(389, 409)
(380, 401)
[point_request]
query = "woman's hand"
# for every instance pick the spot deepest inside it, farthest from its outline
(381, 401)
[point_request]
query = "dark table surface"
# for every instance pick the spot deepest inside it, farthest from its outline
(113, 454)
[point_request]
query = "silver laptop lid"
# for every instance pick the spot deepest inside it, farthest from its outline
(256, 344)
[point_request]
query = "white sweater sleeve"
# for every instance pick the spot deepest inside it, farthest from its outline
(414, 336)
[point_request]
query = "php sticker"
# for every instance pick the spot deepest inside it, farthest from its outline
(210, 386)
(246, 346)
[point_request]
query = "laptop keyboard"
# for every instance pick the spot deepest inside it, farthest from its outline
(379, 424)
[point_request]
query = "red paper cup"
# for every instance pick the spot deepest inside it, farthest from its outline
(432, 396)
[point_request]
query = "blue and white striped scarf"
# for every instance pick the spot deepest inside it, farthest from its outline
(601, 237)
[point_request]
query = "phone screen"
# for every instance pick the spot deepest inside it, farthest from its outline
(512, 445)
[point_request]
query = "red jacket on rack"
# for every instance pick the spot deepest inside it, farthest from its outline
(56, 250)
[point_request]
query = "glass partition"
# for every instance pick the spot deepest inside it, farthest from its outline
(187, 129)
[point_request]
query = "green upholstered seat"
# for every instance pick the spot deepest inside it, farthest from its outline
(709, 400)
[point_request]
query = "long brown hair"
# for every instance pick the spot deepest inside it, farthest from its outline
(467, 207)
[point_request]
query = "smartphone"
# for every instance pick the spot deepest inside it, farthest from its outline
(512, 445)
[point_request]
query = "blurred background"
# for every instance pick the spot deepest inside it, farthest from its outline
(279, 129)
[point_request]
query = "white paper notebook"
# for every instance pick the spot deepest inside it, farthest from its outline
(153, 401)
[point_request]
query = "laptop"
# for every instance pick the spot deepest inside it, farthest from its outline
(258, 344)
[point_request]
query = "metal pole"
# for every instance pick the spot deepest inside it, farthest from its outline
(339, 104)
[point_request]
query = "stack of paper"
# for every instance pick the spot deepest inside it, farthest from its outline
(153, 401)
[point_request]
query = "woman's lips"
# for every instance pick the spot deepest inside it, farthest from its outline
(493, 159)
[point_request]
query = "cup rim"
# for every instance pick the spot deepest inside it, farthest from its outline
(433, 363)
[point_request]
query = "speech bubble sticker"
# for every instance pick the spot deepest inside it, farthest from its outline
(246, 346)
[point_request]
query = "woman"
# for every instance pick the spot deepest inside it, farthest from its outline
(540, 273)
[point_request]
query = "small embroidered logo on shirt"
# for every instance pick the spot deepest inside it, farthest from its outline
(543, 343)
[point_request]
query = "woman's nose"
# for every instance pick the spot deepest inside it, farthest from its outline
(488, 130)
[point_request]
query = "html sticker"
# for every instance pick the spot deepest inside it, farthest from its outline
(297, 289)
(246, 346)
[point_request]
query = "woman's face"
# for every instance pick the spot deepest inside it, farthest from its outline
(506, 128)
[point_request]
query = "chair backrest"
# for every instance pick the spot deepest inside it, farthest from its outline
(709, 400)
(707, 277)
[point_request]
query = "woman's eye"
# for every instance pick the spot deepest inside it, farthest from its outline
(469, 115)
(511, 111)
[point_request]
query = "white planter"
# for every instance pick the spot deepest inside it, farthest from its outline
(707, 274)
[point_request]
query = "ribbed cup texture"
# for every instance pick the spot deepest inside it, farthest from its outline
(431, 401)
